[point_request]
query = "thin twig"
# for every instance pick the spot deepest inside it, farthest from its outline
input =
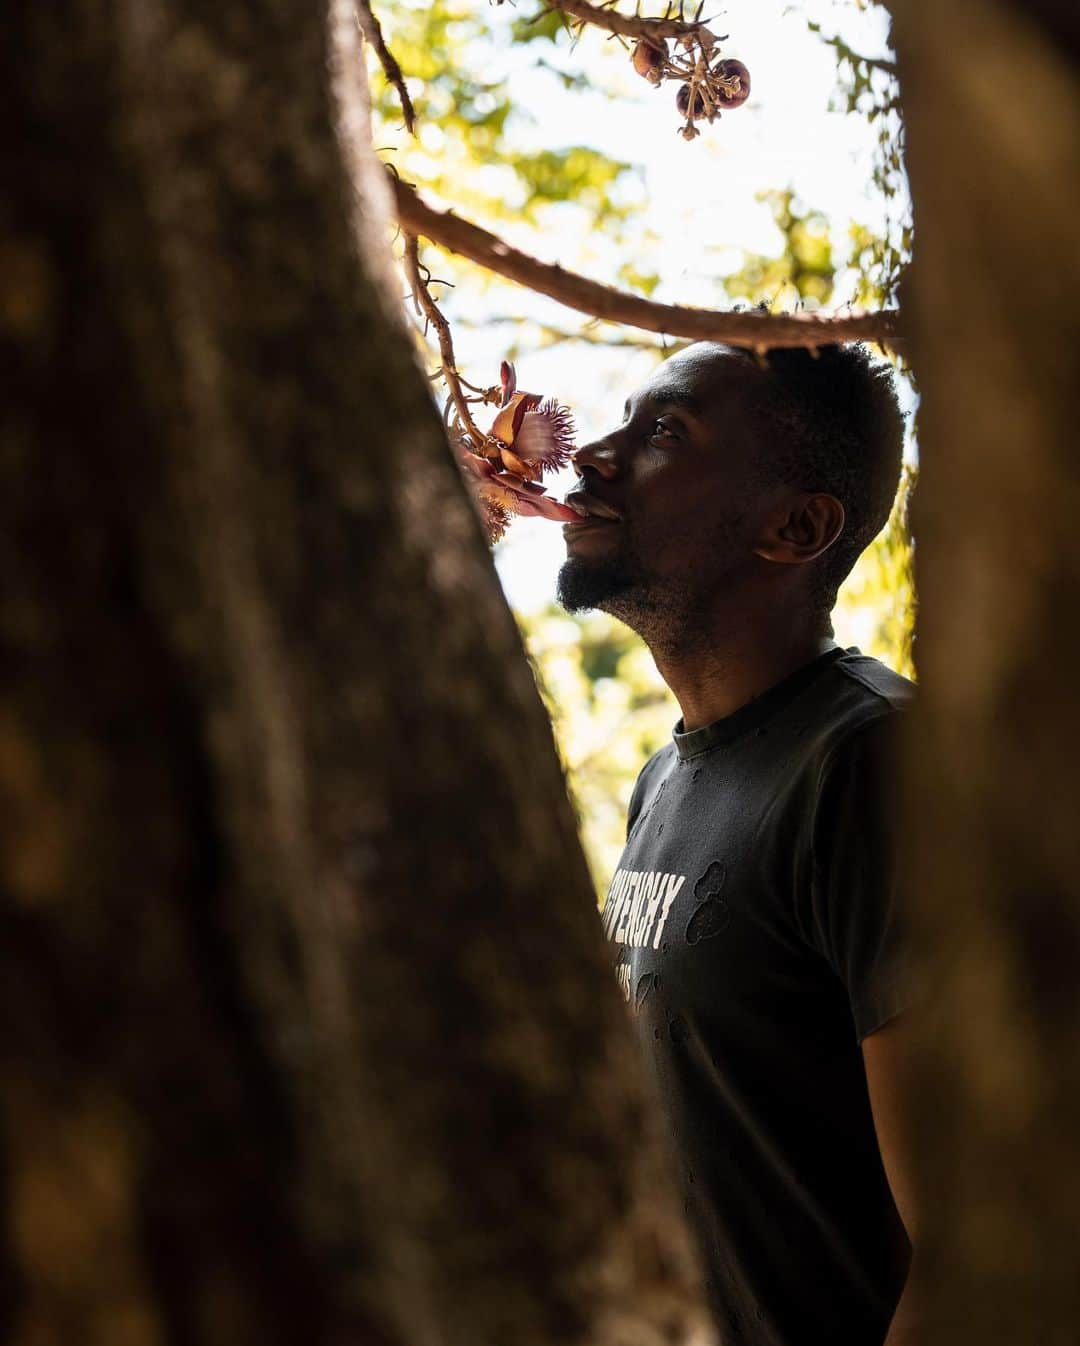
(369, 26)
(848, 53)
(625, 25)
(432, 312)
(760, 331)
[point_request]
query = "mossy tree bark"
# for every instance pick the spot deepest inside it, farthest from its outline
(992, 106)
(309, 1035)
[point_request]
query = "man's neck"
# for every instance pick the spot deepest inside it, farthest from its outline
(714, 678)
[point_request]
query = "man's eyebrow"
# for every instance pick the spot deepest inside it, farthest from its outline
(675, 397)
(669, 397)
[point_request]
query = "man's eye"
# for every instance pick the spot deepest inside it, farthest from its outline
(663, 428)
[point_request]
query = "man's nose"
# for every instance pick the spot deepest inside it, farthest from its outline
(599, 455)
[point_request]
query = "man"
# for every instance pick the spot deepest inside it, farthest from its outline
(753, 910)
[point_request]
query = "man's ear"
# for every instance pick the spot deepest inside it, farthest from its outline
(802, 529)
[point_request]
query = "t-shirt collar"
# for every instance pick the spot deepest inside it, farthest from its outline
(756, 712)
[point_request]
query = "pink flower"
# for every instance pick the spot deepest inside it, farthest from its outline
(535, 434)
(530, 435)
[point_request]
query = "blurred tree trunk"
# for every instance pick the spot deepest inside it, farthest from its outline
(309, 1035)
(992, 108)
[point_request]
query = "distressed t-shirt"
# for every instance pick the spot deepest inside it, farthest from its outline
(754, 918)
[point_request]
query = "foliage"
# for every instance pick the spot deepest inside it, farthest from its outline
(577, 174)
(868, 86)
(610, 710)
(876, 606)
(547, 25)
(469, 151)
(804, 264)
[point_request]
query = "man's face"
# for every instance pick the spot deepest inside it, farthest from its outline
(678, 476)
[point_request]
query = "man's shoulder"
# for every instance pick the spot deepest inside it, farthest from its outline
(860, 705)
(877, 687)
(649, 777)
(656, 767)
(856, 690)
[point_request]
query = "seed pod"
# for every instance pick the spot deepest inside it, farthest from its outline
(732, 70)
(648, 58)
(682, 101)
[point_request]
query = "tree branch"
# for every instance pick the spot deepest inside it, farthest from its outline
(757, 330)
(624, 25)
(432, 314)
(369, 26)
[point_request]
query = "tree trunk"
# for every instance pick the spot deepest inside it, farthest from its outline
(992, 109)
(309, 1031)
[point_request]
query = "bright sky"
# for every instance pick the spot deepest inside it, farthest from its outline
(698, 203)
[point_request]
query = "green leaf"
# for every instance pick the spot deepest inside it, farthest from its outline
(547, 27)
(633, 279)
(576, 174)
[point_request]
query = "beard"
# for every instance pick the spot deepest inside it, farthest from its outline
(669, 611)
(583, 584)
(623, 586)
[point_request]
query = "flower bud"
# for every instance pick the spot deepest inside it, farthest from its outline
(648, 58)
(738, 74)
(682, 102)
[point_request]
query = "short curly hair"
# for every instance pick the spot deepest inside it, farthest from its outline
(833, 424)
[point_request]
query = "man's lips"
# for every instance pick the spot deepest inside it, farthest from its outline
(590, 508)
(594, 516)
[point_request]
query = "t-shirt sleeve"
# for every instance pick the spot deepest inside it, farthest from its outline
(636, 799)
(857, 921)
(640, 793)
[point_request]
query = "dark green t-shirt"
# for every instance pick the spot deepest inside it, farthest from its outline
(753, 914)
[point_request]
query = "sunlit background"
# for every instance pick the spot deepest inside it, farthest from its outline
(797, 198)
